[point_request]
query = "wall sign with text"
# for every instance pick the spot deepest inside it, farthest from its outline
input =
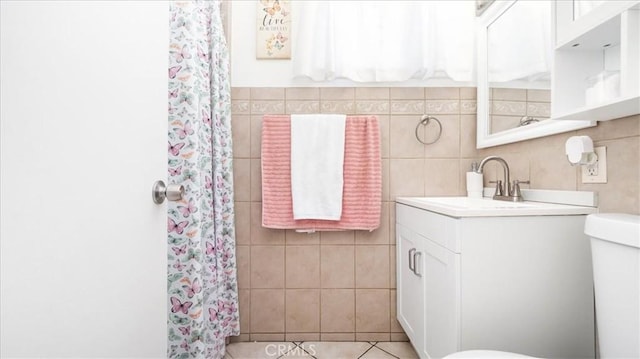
(273, 29)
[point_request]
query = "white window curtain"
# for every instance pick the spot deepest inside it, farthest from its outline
(385, 41)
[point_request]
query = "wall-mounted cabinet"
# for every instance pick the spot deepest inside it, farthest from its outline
(597, 61)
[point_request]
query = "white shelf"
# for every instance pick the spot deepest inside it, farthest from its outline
(607, 32)
(569, 29)
(610, 110)
(605, 40)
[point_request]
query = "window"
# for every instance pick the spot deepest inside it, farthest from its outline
(385, 41)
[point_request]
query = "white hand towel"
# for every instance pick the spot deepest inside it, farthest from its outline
(317, 158)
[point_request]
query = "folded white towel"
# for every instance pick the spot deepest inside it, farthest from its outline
(317, 158)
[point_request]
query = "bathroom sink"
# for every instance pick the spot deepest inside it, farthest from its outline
(487, 207)
(466, 202)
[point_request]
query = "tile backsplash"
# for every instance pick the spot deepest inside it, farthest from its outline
(341, 285)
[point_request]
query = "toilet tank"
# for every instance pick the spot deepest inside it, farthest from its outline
(615, 248)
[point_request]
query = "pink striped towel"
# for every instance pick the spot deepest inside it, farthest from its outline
(362, 191)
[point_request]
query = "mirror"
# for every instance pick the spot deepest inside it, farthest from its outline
(519, 53)
(515, 60)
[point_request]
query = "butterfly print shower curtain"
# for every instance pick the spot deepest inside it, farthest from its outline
(202, 286)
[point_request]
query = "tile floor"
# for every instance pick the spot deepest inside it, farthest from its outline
(320, 350)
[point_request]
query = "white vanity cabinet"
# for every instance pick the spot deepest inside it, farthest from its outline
(512, 283)
(411, 302)
(424, 264)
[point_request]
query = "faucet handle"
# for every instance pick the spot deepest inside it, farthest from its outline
(499, 190)
(516, 188)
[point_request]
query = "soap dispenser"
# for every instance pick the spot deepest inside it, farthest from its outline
(474, 182)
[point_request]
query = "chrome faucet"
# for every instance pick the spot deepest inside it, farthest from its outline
(506, 192)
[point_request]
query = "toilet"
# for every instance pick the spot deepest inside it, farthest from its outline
(615, 249)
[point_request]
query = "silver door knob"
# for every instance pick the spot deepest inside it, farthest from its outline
(172, 192)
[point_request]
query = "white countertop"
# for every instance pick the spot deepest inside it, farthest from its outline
(487, 207)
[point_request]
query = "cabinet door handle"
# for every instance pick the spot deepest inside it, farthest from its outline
(412, 258)
(416, 256)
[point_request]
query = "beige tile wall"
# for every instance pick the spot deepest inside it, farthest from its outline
(544, 162)
(341, 285)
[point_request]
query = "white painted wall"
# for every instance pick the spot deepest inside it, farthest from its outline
(247, 71)
(83, 136)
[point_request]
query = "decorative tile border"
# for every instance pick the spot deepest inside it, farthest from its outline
(468, 107)
(442, 106)
(240, 107)
(337, 106)
(539, 109)
(367, 107)
(267, 107)
(509, 108)
(302, 106)
(407, 107)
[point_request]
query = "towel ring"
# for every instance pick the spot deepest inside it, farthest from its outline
(425, 121)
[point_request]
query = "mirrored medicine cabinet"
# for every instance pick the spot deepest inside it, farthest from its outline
(536, 79)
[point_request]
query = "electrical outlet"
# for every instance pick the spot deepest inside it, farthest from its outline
(597, 172)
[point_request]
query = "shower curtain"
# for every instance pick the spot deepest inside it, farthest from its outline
(202, 286)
